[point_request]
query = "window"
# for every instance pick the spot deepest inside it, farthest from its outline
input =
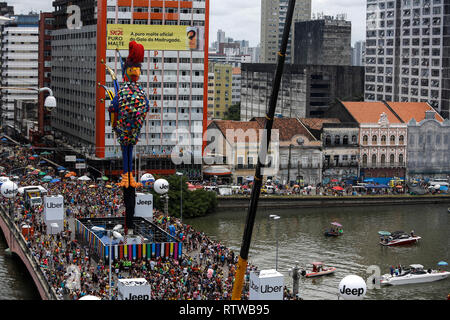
(328, 140)
(374, 140)
(438, 139)
(400, 158)
(365, 159)
(383, 158)
(391, 159)
(337, 140)
(383, 140)
(345, 140)
(392, 139)
(365, 140)
(401, 139)
(354, 139)
(374, 158)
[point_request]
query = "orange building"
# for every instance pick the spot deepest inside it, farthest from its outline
(175, 81)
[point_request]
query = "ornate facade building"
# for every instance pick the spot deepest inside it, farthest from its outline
(383, 148)
(428, 148)
(383, 133)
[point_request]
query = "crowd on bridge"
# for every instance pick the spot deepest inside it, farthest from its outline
(205, 271)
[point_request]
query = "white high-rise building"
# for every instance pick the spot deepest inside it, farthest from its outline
(19, 63)
(221, 36)
(273, 18)
(406, 56)
(358, 53)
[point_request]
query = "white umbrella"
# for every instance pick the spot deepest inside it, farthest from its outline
(84, 178)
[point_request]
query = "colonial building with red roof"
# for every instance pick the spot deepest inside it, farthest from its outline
(295, 155)
(383, 133)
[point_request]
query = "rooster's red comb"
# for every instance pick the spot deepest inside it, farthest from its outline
(135, 54)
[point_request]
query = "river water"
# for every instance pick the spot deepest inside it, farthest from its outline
(300, 233)
(15, 281)
(301, 238)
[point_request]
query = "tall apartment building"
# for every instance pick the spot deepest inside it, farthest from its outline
(46, 22)
(323, 42)
(220, 36)
(19, 63)
(222, 97)
(359, 53)
(236, 86)
(306, 90)
(256, 88)
(175, 81)
(273, 18)
(407, 57)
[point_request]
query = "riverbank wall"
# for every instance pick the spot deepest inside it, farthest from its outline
(292, 202)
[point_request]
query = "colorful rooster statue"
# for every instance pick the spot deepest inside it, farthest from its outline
(128, 111)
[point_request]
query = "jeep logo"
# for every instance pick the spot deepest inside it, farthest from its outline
(144, 203)
(9, 191)
(356, 291)
(138, 297)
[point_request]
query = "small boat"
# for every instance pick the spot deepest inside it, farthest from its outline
(318, 270)
(415, 274)
(335, 230)
(397, 238)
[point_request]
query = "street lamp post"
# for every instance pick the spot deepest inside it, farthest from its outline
(180, 174)
(275, 217)
(109, 256)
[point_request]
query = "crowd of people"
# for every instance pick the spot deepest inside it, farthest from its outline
(205, 271)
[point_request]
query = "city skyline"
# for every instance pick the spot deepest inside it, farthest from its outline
(224, 15)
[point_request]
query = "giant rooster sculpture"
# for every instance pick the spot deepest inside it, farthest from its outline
(128, 111)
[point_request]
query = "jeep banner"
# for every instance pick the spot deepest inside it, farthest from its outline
(54, 208)
(144, 205)
(134, 289)
(266, 285)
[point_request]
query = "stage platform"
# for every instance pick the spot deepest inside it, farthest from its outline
(149, 241)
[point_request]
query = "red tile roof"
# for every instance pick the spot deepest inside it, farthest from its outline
(317, 123)
(416, 110)
(369, 112)
(288, 127)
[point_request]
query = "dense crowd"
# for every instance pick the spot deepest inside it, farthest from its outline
(205, 271)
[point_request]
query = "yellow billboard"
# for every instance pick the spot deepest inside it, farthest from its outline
(155, 37)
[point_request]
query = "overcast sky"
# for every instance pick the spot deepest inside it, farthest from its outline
(240, 19)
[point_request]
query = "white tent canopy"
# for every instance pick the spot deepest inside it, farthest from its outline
(22, 189)
(84, 178)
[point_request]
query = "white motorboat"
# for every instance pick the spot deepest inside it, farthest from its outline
(397, 238)
(415, 274)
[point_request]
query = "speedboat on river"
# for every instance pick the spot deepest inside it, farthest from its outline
(415, 274)
(318, 270)
(397, 238)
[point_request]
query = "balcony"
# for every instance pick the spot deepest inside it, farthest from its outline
(344, 164)
(383, 165)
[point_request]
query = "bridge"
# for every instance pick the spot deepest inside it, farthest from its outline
(17, 244)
